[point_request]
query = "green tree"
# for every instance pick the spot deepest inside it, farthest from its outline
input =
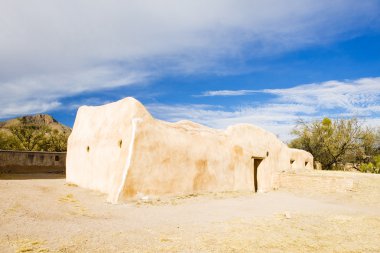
(331, 142)
(30, 137)
(8, 142)
(56, 141)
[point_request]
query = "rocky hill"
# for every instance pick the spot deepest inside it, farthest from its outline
(37, 119)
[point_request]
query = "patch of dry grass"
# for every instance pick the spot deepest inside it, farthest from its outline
(68, 198)
(30, 246)
(14, 208)
(71, 185)
(76, 208)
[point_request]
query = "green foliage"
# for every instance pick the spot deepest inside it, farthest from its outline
(8, 142)
(371, 167)
(376, 159)
(30, 137)
(56, 141)
(337, 142)
(33, 137)
(366, 167)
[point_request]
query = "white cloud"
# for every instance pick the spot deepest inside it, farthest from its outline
(356, 97)
(41, 93)
(213, 93)
(359, 98)
(27, 107)
(352, 96)
(63, 47)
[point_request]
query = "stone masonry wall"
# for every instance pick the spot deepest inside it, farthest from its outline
(32, 162)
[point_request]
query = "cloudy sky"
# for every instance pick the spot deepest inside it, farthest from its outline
(216, 62)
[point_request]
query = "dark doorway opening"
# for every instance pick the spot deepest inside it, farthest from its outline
(256, 164)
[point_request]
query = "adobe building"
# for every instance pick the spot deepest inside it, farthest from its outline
(121, 150)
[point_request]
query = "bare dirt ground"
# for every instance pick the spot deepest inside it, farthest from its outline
(41, 213)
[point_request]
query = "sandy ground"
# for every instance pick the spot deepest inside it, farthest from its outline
(41, 213)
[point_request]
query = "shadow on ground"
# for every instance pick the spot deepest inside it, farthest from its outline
(32, 176)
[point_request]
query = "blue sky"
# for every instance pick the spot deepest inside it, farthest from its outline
(268, 63)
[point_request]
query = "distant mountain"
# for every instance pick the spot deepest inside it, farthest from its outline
(37, 119)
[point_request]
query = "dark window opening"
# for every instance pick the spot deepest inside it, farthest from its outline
(88, 148)
(56, 158)
(267, 153)
(306, 163)
(120, 143)
(292, 161)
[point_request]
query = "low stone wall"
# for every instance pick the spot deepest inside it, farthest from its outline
(32, 162)
(327, 181)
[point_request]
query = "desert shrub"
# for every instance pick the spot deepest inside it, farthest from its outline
(335, 143)
(371, 167)
(366, 167)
